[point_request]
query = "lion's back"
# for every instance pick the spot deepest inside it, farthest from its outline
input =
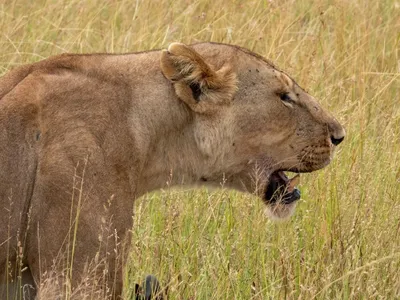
(56, 110)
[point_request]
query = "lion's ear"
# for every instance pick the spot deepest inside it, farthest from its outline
(196, 82)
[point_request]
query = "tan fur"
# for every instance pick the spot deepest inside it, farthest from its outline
(183, 66)
(82, 136)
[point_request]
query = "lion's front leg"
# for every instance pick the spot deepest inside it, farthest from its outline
(89, 264)
(79, 232)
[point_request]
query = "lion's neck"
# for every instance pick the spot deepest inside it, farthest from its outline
(163, 129)
(171, 160)
(168, 150)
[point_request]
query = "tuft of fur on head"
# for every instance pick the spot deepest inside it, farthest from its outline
(196, 82)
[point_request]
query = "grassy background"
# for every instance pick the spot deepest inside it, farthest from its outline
(344, 240)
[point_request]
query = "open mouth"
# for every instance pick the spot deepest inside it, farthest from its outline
(281, 189)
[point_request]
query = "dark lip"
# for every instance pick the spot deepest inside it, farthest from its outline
(296, 170)
(291, 197)
(305, 169)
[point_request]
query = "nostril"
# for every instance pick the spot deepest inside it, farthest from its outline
(337, 141)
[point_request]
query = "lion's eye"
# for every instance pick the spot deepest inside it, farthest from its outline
(285, 97)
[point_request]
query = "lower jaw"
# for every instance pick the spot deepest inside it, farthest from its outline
(280, 211)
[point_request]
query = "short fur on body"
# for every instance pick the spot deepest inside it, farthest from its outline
(82, 136)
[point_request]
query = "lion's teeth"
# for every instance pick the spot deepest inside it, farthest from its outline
(293, 182)
(283, 176)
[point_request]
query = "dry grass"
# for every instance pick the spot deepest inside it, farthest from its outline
(343, 242)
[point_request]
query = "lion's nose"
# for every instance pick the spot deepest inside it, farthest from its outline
(337, 132)
(337, 140)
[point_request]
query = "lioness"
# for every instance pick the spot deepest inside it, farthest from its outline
(82, 136)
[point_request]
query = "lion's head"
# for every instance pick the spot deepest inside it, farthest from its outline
(252, 121)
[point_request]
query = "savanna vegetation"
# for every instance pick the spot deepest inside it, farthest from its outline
(344, 240)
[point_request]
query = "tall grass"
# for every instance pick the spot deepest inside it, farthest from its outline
(344, 240)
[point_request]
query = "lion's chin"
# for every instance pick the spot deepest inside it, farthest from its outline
(280, 211)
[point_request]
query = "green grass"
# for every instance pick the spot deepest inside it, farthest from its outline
(344, 240)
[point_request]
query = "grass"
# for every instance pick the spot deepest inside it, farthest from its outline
(344, 240)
